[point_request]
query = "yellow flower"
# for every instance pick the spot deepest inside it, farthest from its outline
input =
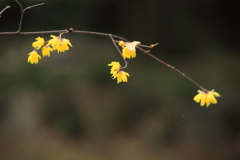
(33, 57)
(121, 76)
(117, 72)
(59, 44)
(38, 44)
(54, 42)
(206, 97)
(63, 46)
(46, 51)
(129, 51)
(115, 67)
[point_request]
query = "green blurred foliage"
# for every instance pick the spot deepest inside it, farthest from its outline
(68, 107)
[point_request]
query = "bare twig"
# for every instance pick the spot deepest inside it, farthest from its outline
(22, 13)
(32, 33)
(148, 46)
(125, 61)
(175, 69)
(36, 5)
(4, 9)
(20, 5)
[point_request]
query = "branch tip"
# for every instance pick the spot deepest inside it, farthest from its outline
(36, 5)
(153, 45)
(4, 9)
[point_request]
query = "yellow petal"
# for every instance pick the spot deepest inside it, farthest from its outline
(46, 51)
(216, 94)
(197, 98)
(38, 43)
(203, 101)
(127, 53)
(33, 57)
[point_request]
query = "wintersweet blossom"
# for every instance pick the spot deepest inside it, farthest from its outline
(117, 72)
(129, 49)
(33, 57)
(121, 76)
(54, 42)
(206, 97)
(64, 45)
(59, 44)
(115, 67)
(38, 43)
(46, 50)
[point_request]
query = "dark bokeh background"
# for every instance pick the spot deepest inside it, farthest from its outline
(67, 107)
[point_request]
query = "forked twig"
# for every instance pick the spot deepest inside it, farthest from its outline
(22, 13)
(125, 61)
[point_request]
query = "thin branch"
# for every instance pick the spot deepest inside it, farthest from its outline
(20, 5)
(112, 38)
(34, 32)
(36, 5)
(64, 31)
(175, 69)
(141, 45)
(4, 9)
(100, 34)
(22, 13)
(146, 46)
(125, 61)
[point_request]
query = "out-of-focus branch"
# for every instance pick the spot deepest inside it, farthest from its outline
(4, 9)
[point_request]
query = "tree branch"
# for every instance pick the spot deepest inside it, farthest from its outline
(4, 9)
(92, 33)
(22, 13)
(111, 36)
(175, 69)
(125, 61)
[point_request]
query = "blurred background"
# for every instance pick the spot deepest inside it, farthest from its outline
(67, 107)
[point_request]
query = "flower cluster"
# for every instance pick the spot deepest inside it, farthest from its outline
(206, 97)
(128, 51)
(118, 73)
(56, 43)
